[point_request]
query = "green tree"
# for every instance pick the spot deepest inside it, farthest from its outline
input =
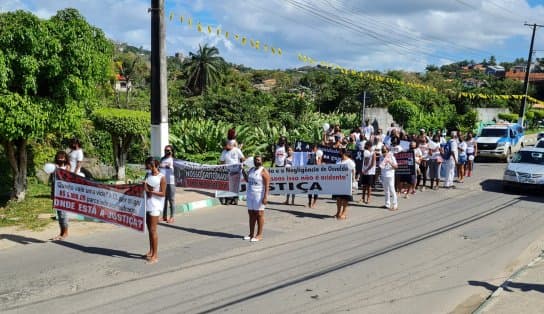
(402, 110)
(134, 70)
(204, 69)
(49, 69)
(124, 126)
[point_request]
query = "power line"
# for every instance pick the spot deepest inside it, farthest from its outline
(432, 39)
(347, 23)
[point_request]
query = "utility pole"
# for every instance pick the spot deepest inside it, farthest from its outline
(159, 100)
(363, 99)
(527, 72)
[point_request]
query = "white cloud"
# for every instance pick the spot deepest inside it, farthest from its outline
(366, 34)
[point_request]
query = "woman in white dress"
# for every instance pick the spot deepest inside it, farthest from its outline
(258, 181)
(154, 206)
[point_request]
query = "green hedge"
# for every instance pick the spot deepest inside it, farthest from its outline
(122, 122)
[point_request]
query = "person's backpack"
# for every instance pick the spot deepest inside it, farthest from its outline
(447, 151)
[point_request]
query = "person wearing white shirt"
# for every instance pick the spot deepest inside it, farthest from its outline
(368, 172)
(167, 169)
(368, 130)
(451, 161)
(424, 163)
(281, 152)
(342, 200)
(462, 149)
(76, 157)
(435, 161)
(388, 164)
(231, 155)
(472, 152)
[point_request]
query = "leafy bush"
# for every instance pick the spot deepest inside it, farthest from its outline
(510, 117)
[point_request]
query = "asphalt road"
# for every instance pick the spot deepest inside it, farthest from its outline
(438, 254)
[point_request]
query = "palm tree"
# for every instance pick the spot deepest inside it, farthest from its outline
(203, 69)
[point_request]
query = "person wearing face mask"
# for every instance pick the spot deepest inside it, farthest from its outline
(229, 156)
(167, 169)
(61, 162)
(258, 184)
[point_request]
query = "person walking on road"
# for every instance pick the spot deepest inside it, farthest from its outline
(388, 164)
(155, 188)
(61, 162)
(258, 181)
(167, 168)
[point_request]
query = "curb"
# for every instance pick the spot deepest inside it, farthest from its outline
(497, 293)
(192, 206)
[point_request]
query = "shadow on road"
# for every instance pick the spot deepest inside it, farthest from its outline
(508, 287)
(19, 239)
(209, 233)
(301, 214)
(492, 185)
(98, 250)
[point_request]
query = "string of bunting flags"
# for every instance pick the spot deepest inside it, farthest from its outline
(258, 45)
(381, 78)
(241, 39)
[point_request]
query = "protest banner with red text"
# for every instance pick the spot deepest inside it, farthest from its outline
(123, 205)
(207, 177)
(406, 163)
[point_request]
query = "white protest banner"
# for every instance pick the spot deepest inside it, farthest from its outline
(315, 179)
(207, 177)
(123, 205)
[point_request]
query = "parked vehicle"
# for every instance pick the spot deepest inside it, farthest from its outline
(525, 169)
(500, 140)
(539, 136)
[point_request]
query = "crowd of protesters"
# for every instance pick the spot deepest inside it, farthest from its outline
(436, 157)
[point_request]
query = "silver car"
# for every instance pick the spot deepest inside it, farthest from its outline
(525, 169)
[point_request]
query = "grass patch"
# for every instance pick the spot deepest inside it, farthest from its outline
(25, 213)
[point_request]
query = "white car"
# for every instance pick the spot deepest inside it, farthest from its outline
(525, 169)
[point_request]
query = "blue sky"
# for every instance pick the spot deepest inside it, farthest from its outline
(364, 35)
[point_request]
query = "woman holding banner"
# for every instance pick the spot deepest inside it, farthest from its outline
(61, 162)
(342, 200)
(258, 182)
(155, 188)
